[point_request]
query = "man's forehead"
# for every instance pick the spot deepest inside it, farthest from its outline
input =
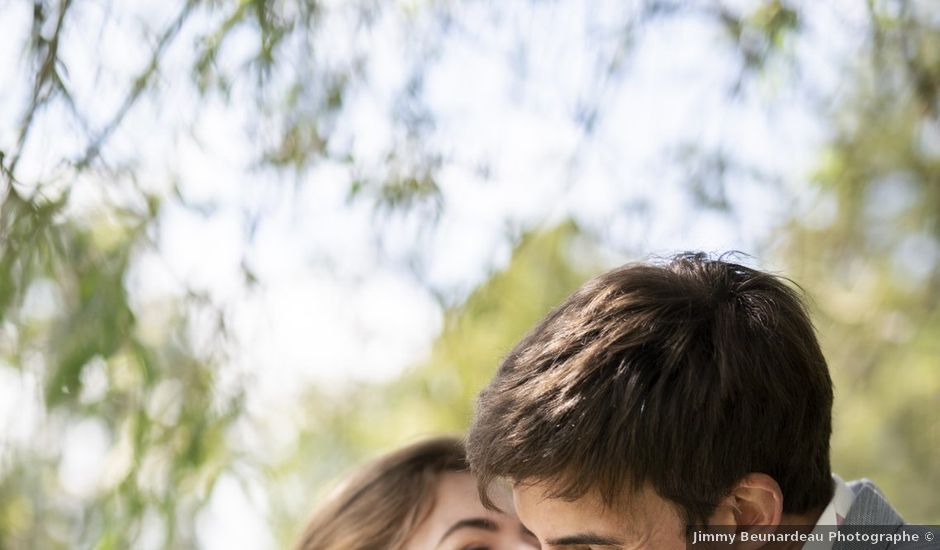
(628, 502)
(538, 498)
(557, 519)
(636, 520)
(632, 505)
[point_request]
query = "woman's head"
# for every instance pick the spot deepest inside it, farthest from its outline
(419, 497)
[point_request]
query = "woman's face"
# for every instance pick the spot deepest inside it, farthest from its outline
(459, 521)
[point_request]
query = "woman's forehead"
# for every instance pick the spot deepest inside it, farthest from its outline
(460, 489)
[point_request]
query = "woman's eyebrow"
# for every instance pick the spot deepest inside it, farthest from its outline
(585, 538)
(470, 523)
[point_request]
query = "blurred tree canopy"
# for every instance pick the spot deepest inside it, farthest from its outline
(147, 381)
(868, 254)
(436, 396)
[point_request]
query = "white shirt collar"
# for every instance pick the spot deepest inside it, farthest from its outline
(834, 514)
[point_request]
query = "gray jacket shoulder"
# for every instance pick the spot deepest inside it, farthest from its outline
(871, 509)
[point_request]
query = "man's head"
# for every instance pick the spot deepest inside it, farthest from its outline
(695, 384)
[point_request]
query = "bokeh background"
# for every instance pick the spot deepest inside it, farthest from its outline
(245, 245)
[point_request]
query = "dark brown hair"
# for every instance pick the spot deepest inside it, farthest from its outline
(683, 375)
(383, 503)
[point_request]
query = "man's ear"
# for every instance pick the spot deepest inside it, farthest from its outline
(754, 504)
(758, 500)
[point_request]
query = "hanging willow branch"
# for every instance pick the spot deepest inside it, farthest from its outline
(47, 81)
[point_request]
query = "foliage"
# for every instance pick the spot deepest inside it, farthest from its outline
(150, 392)
(869, 253)
(149, 377)
(437, 395)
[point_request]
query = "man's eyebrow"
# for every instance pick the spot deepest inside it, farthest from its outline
(470, 523)
(584, 538)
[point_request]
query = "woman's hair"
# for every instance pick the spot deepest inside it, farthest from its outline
(382, 504)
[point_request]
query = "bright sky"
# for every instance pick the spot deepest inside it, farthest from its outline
(333, 304)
